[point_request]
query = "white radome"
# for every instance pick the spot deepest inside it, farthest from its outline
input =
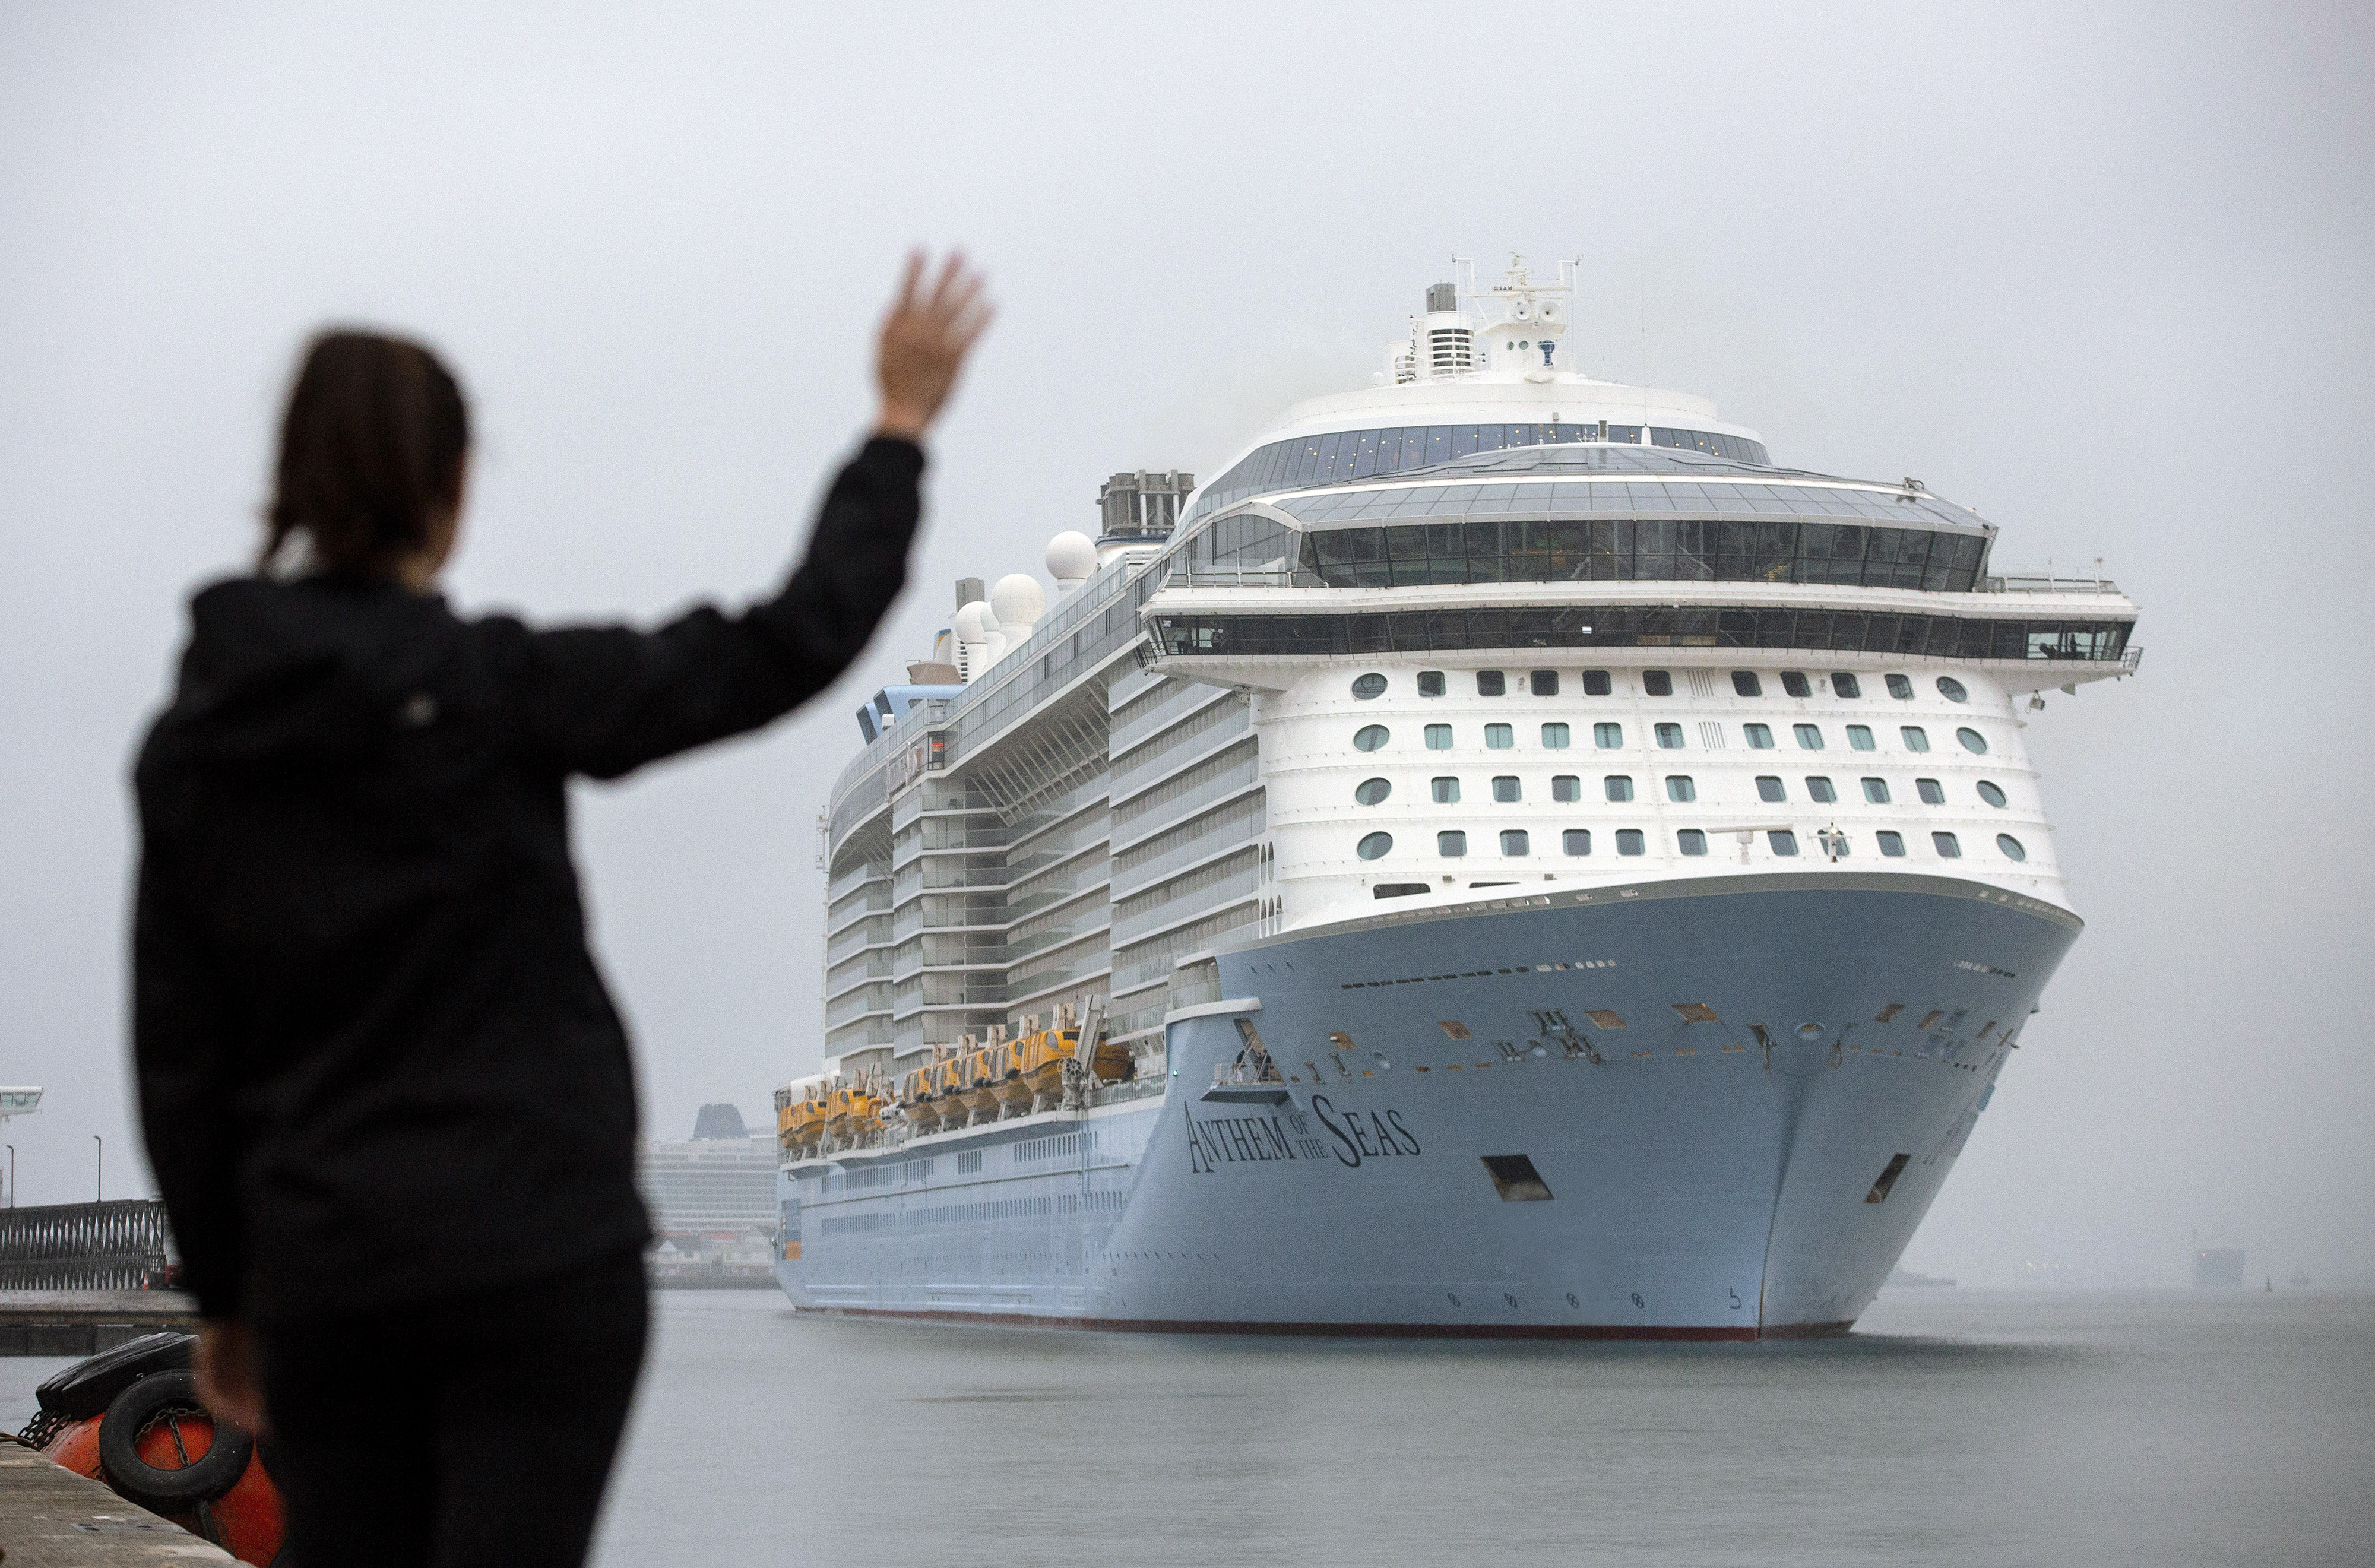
(1018, 602)
(1071, 560)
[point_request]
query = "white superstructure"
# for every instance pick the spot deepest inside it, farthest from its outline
(1493, 718)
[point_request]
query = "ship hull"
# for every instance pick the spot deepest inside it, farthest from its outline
(1669, 1112)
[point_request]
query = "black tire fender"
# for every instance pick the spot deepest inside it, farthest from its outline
(140, 1407)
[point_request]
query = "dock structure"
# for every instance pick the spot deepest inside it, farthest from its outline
(83, 1323)
(51, 1517)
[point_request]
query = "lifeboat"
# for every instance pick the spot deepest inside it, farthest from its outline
(130, 1418)
(982, 1072)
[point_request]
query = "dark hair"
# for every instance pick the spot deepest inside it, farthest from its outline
(371, 454)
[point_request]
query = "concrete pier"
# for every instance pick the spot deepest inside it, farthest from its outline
(83, 1323)
(50, 1517)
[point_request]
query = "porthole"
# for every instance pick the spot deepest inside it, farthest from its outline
(1630, 842)
(1380, 1057)
(1596, 683)
(1783, 841)
(1576, 841)
(1377, 846)
(1367, 686)
(1670, 736)
(1973, 741)
(1794, 683)
(1658, 682)
(1990, 793)
(1860, 737)
(1768, 788)
(1916, 738)
(1745, 684)
(1555, 738)
(1876, 791)
(1948, 846)
(1951, 690)
(1371, 738)
(1492, 683)
(1845, 684)
(1430, 683)
(1760, 737)
(1543, 682)
(2010, 846)
(1438, 737)
(1819, 790)
(1505, 789)
(1691, 841)
(1373, 791)
(1680, 787)
(1514, 842)
(1901, 688)
(1932, 793)
(1446, 791)
(1810, 736)
(1452, 845)
(1567, 788)
(1891, 845)
(1499, 737)
(1608, 737)
(1619, 786)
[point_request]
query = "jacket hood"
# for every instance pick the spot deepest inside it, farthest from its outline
(313, 669)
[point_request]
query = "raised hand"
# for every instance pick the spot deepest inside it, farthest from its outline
(923, 342)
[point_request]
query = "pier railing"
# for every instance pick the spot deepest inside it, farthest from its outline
(123, 1245)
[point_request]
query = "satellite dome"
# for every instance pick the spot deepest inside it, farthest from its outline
(1017, 601)
(971, 624)
(1072, 559)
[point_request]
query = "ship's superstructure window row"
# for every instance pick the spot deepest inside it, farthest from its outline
(1602, 626)
(1347, 457)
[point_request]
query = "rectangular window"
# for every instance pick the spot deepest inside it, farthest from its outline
(1438, 737)
(1618, 785)
(1891, 845)
(1630, 842)
(1566, 787)
(1555, 738)
(1505, 789)
(1595, 683)
(1794, 683)
(1543, 682)
(1845, 684)
(1513, 841)
(1515, 1179)
(1451, 846)
(1783, 841)
(1900, 688)
(1948, 846)
(1576, 841)
(1430, 683)
(1915, 738)
(1608, 737)
(1691, 841)
(1499, 737)
(1769, 788)
(1819, 790)
(1680, 787)
(1670, 736)
(1447, 791)
(1810, 736)
(1760, 737)
(1930, 792)
(1491, 683)
(1876, 791)
(1859, 736)
(1658, 682)
(1745, 684)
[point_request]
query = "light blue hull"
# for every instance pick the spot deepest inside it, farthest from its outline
(1708, 1177)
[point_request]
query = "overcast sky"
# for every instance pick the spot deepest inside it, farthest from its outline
(2101, 272)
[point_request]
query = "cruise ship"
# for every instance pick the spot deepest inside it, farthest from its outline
(1506, 857)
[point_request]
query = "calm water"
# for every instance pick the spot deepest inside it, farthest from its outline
(1955, 1427)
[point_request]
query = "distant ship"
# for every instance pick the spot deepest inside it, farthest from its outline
(1503, 858)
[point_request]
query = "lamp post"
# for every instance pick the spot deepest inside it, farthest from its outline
(102, 1165)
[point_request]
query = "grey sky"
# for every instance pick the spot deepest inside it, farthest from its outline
(2101, 272)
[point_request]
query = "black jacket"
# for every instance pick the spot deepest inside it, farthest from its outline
(377, 1063)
